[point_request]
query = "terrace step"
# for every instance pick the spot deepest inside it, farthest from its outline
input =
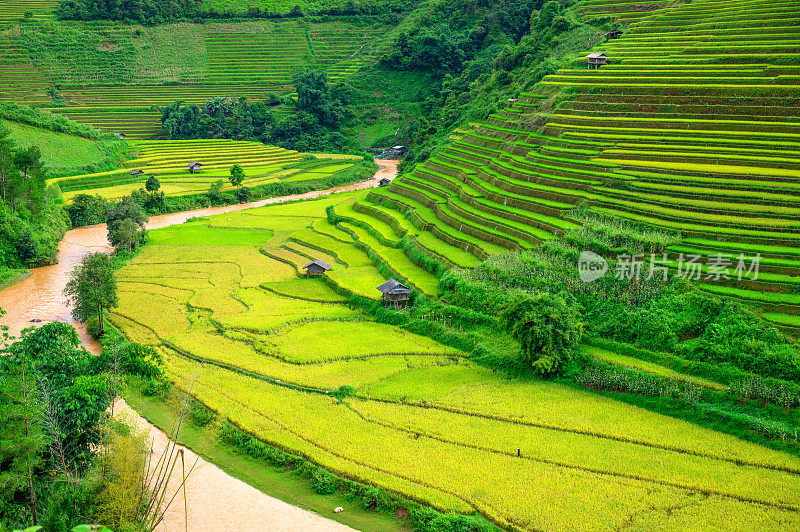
(427, 219)
(704, 205)
(769, 301)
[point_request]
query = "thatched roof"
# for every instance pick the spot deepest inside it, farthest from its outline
(316, 262)
(193, 164)
(393, 287)
(136, 172)
(597, 55)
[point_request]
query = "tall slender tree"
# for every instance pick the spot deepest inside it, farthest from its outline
(92, 288)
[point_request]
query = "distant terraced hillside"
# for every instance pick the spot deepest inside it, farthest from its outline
(693, 126)
(12, 11)
(110, 75)
(167, 160)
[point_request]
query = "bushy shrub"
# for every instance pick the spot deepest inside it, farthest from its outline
(547, 327)
(323, 482)
(199, 413)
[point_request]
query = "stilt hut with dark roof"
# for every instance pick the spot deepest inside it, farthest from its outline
(596, 60)
(194, 167)
(394, 293)
(316, 267)
(384, 182)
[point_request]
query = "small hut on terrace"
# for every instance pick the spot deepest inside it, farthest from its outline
(394, 293)
(384, 182)
(194, 167)
(316, 267)
(597, 59)
(613, 34)
(136, 172)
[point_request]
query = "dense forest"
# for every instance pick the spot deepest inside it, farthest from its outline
(316, 126)
(154, 12)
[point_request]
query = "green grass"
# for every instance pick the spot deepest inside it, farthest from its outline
(64, 154)
(310, 289)
(200, 234)
(11, 276)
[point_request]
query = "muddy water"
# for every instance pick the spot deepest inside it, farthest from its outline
(217, 501)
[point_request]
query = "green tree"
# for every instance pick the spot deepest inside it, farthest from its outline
(237, 175)
(92, 288)
(31, 176)
(126, 235)
(126, 209)
(9, 174)
(547, 328)
(72, 391)
(152, 184)
(314, 97)
(87, 210)
(23, 442)
(215, 191)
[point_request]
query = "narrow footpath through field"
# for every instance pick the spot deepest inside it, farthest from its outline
(217, 501)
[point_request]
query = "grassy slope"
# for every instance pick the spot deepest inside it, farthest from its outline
(62, 153)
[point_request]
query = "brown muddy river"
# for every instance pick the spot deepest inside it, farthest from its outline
(217, 501)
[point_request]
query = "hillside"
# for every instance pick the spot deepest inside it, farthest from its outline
(690, 127)
(597, 270)
(372, 400)
(112, 76)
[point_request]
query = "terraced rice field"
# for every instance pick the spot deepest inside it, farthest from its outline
(691, 127)
(111, 76)
(12, 11)
(168, 161)
(222, 300)
(284, 49)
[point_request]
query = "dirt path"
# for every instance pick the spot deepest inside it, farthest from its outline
(217, 501)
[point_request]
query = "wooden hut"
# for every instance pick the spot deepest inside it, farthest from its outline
(194, 167)
(394, 293)
(613, 34)
(316, 267)
(384, 182)
(597, 59)
(120, 136)
(136, 172)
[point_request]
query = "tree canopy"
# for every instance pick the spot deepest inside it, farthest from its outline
(31, 220)
(547, 327)
(92, 288)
